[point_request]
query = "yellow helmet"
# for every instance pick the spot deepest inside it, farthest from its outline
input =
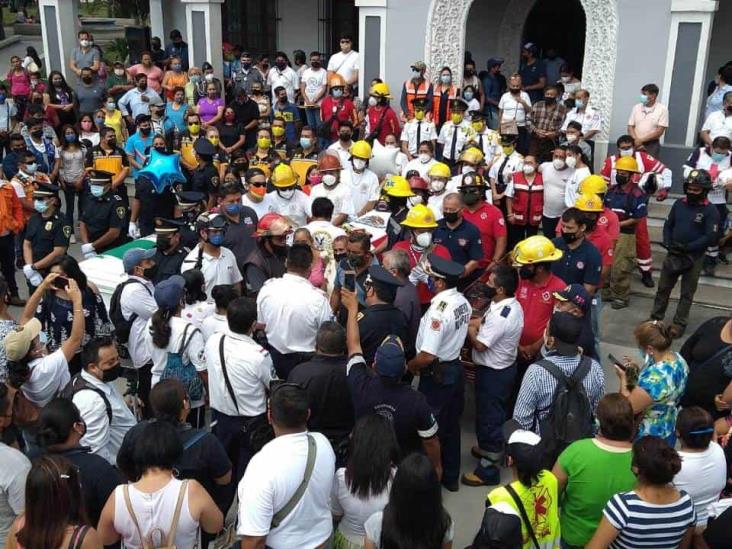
(589, 203)
(380, 89)
(439, 169)
(593, 184)
(627, 164)
(361, 149)
(398, 187)
(420, 217)
(472, 155)
(283, 176)
(535, 249)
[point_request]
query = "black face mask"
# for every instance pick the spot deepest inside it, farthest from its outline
(112, 142)
(356, 261)
(469, 72)
(278, 249)
(161, 150)
(550, 100)
(515, 91)
(150, 272)
(145, 131)
(621, 179)
(163, 242)
(37, 133)
(340, 256)
(527, 272)
(112, 374)
(87, 80)
(471, 198)
(396, 203)
(345, 136)
(569, 238)
(451, 217)
(280, 65)
(489, 291)
(694, 198)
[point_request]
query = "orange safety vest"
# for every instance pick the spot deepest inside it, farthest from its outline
(528, 200)
(418, 92)
(437, 99)
(11, 213)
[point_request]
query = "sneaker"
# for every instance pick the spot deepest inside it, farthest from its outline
(647, 279)
(676, 331)
(16, 301)
(451, 486)
(619, 304)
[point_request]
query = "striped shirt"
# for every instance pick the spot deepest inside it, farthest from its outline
(643, 524)
(537, 389)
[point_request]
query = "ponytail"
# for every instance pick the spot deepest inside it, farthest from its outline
(160, 328)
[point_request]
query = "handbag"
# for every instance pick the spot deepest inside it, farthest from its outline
(524, 516)
(147, 542)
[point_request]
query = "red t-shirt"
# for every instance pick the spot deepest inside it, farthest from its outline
(491, 225)
(423, 291)
(538, 305)
(601, 240)
(328, 108)
(607, 222)
(390, 125)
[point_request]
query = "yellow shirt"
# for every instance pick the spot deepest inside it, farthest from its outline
(115, 122)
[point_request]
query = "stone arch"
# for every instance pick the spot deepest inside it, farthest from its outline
(445, 43)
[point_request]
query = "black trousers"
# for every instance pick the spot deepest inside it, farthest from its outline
(284, 363)
(517, 233)
(7, 261)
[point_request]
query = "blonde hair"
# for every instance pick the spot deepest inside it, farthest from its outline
(653, 333)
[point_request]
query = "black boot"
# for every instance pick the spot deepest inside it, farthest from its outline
(647, 279)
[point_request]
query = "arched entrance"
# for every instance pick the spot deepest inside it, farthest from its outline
(447, 24)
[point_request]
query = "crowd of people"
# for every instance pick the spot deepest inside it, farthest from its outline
(297, 329)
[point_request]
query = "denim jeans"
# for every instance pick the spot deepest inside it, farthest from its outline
(312, 117)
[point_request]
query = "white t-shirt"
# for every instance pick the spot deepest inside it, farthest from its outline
(287, 78)
(297, 208)
(260, 208)
(570, 189)
(213, 324)
(269, 482)
(343, 152)
(216, 270)
(373, 530)
(324, 233)
(48, 375)
(554, 183)
(340, 196)
(718, 124)
(422, 168)
(364, 187)
(315, 82)
(703, 475)
(512, 109)
(12, 487)
(354, 510)
(197, 312)
(344, 64)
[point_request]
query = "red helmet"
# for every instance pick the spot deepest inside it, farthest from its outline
(273, 224)
(417, 183)
(329, 162)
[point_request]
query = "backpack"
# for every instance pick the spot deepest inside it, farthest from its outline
(165, 541)
(184, 371)
(122, 325)
(77, 384)
(24, 411)
(570, 415)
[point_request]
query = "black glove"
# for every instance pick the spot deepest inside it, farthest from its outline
(679, 248)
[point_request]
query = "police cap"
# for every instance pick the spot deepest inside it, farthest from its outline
(187, 199)
(458, 105)
(419, 103)
(380, 276)
(476, 116)
(167, 226)
(204, 147)
(443, 268)
(46, 189)
(99, 177)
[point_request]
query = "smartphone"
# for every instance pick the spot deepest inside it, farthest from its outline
(620, 364)
(349, 282)
(60, 282)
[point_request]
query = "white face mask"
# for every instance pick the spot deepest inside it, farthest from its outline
(287, 194)
(565, 79)
(329, 180)
(571, 161)
(119, 72)
(467, 169)
(84, 43)
(391, 146)
(529, 169)
(424, 239)
(359, 164)
(209, 77)
(414, 200)
(437, 186)
(424, 158)
(626, 152)
(558, 164)
(372, 101)
(571, 138)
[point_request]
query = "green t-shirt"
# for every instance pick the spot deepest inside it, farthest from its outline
(595, 472)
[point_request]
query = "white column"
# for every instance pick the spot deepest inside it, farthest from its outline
(370, 8)
(157, 25)
(59, 25)
(203, 24)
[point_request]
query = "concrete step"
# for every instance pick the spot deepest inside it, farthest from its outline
(711, 293)
(721, 273)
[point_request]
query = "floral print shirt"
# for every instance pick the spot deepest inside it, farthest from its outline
(665, 383)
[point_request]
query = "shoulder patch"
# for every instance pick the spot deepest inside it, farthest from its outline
(359, 316)
(441, 306)
(67, 231)
(121, 212)
(117, 197)
(506, 311)
(435, 324)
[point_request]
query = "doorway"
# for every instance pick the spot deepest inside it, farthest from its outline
(558, 24)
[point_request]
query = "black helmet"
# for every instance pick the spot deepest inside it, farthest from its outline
(472, 179)
(701, 178)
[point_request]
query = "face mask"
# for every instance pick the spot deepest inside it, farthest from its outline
(142, 86)
(643, 99)
(119, 72)
(356, 261)
(161, 149)
(373, 101)
(424, 158)
(345, 136)
(414, 200)
(515, 91)
(315, 179)
(528, 169)
(626, 152)
(37, 133)
(31, 168)
(419, 115)
(565, 79)
(467, 169)
(437, 185)
(84, 43)
(469, 72)
(150, 272)
(416, 74)
(145, 131)
(163, 242)
(432, 285)
(571, 161)
(305, 142)
(694, 198)
(193, 129)
(286, 194)
(176, 67)
(112, 374)
(527, 272)
(233, 209)
(86, 80)
(550, 100)
(329, 180)
(456, 118)
(359, 164)
(445, 78)
(451, 217)
(264, 142)
(86, 125)
(718, 157)
(111, 106)
(246, 66)
(508, 151)
(258, 191)
(214, 140)
(489, 292)
(558, 164)
(216, 239)
(337, 92)
(70, 138)
(96, 190)
(579, 103)
(471, 198)
(468, 95)
(195, 78)
(278, 131)
(40, 205)
(728, 110)
(339, 256)
(571, 138)
(569, 237)
(112, 142)
(621, 179)
(209, 77)
(280, 65)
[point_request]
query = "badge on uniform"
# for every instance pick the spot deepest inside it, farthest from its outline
(67, 231)
(215, 181)
(121, 212)
(441, 306)
(359, 316)
(435, 324)
(49, 225)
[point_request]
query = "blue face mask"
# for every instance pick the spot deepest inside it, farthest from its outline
(96, 190)
(718, 157)
(40, 205)
(468, 95)
(71, 138)
(43, 338)
(305, 142)
(337, 92)
(579, 103)
(643, 99)
(233, 209)
(216, 239)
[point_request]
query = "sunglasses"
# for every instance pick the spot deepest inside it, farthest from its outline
(257, 184)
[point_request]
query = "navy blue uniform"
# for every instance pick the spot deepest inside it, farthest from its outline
(46, 233)
(463, 241)
(691, 225)
(104, 213)
(583, 265)
(378, 321)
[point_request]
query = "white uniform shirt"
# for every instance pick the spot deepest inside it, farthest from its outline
(216, 270)
(138, 299)
(555, 182)
(250, 371)
(324, 233)
(506, 167)
(340, 196)
(573, 183)
(512, 109)
(344, 153)
(364, 187)
(287, 78)
(197, 312)
(719, 171)
(272, 477)
(591, 119)
(103, 438)
(500, 331)
(444, 326)
(718, 124)
(292, 310)
(48, 375)
(214, 324)
(422, 167)
(260, 208)
(446, 134)
(344, 64)
(297, 208)
(193, 353)
(434, 203)
(427, 132)
(487, 141)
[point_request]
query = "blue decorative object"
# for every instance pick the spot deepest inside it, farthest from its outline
(162, 170)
